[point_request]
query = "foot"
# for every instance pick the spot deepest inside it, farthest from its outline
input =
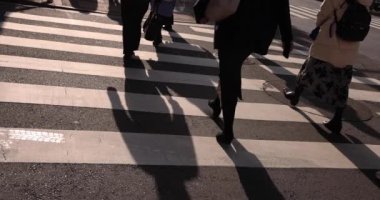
(215, 106)
(224, 139)
(291, 95)
(129, 56)
(157, 43)
(168, 28)
(335, 126)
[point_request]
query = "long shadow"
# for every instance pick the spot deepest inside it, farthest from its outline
(256, 182)
(6, 7)
(169, 182)
(361, 155)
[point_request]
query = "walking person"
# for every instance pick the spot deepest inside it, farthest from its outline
(165, 9)
(250, 29)
(132, 12)
(327, 72)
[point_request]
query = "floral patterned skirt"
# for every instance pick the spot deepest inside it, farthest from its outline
(329, 83)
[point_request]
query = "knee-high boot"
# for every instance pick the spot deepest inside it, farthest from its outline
(229, 107)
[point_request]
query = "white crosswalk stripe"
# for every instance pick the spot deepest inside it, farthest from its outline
(311, 14)
(151, 148)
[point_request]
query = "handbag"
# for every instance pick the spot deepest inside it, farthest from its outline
(218, 10)
(152, 26)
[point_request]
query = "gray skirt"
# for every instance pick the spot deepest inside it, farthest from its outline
(325, 81)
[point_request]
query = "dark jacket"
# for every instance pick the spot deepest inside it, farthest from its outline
(254, 25)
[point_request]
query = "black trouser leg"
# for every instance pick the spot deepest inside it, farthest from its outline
(132, 12)
(338, 115)
(231, 61)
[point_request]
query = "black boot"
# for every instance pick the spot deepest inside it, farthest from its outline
(224, 139)
(215, 106)
(293, 96)
(335, 124)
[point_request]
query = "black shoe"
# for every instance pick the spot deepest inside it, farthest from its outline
(157, 43)
(335, 126)
(129, 55)
(291, 95)
(168, 28)
(215, 106)
(224, 139)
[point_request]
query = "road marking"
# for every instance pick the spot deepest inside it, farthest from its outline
(280, 58)
(305, 11)
(294, 71)
(152, 149)
(297, 15)
(120, 72)
(91, 35)
(78, 97)
(66, 21)
(202, 30)
(101, 25)
(105, 51)
(302, 13)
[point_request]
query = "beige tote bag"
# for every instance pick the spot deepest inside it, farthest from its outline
(220, 9)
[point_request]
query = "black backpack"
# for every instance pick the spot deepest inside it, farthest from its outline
(355, 22)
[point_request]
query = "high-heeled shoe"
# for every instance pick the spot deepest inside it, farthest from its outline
(291, 96)
(215, 106)
(335, 126)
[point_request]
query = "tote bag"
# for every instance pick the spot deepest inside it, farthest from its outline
(221, 9)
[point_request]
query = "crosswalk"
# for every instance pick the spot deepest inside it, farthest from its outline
(303, 12)
(66, 98)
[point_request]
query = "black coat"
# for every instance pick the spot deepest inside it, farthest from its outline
(254, 25)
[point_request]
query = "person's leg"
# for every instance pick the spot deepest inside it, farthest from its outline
(133, 12)
(158, 40)
(294, 96)
(230, 65)
(335, 124)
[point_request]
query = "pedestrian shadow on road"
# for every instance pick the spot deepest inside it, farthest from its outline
(359, 156)
(256, 181)
(152, 156)
(7, 8)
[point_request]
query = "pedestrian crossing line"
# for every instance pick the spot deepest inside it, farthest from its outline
(66, 21)
(120, 72)
(305, 11)
(313, 11)
(153, 149)
(92, 35)
(375, 26)
(202, 30)
(293, 72)
(302, 13)
(105, 26)
(78, 97)
(105, 51)
(297, 15)
(280, 58)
